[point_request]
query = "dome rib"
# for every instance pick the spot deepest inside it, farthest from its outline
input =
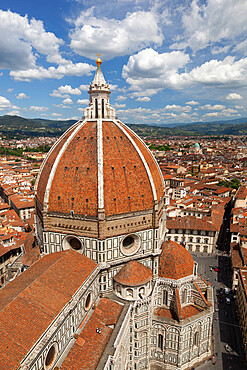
(151, 161)
(99, 167)
(59, 156)
(100, 164)
(40, 186)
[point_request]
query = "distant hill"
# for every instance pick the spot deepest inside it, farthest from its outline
(224, 122)
(19, 127)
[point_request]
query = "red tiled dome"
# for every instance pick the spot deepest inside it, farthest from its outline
(71, 175)
(175, 261)
(133, 274)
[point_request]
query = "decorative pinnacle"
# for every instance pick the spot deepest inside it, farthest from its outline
(98, 60)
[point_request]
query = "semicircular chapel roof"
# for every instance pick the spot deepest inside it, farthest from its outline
(133, 273)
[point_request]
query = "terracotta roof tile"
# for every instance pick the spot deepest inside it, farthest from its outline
(189, 223)
(75, 183)
(90, 345)
(133, 273)
(127, 186)
(175, 261)
(50, 159)
(29, 298)
(185, 313)
(153, 165)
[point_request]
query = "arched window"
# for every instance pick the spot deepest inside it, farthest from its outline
(160, 341)
(129, 292)
(184, 296)
(165, 297)
(143, 343)
(118, 288)
(103, 108)
(196, 339)
(96, 108)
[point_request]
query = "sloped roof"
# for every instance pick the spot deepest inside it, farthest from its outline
(175, 261)
(189, 223)
(90, 345)
(133, 273)
(27, 304)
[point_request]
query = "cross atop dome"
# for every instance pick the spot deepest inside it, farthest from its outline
(98, 60)
(99, 106)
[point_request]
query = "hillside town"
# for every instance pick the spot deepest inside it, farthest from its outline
(206, 213)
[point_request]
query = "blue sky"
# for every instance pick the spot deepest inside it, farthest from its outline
(166, 60)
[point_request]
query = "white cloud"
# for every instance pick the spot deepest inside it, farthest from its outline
(212, 107)
(22, 96)
(115, 37)
(227, 72)
(121, 98)
(242, 47)
(84, 87)
(65, 90)
(83, 101)
(14, 113)
(223, 113)
(234, 96)
(4, 103)
(116, 105)
(67, 69)
(62, 106)
(232, 111)
(144, 98)
(56, 114)
(10, 90)
(68, 101)
(177, 108)
(74, 118)
(192, 102)
(211, 114)
(213, 21)
(149, 70)
(38, 109)
(20, 38)
(219, 49)
(113, 87)
(146, 92)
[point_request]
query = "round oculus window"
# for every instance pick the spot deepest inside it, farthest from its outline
(71, 242)
(130, 244)
(88, 302)
(75, 243)
(51, 356)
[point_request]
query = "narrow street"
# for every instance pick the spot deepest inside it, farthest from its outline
(227, 339)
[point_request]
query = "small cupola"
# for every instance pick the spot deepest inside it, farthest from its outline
(133, 281)
(99, 106)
